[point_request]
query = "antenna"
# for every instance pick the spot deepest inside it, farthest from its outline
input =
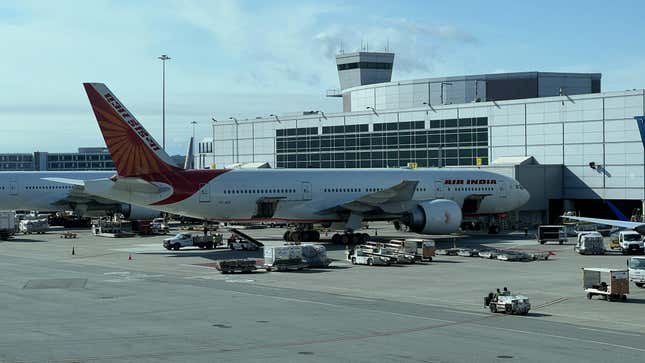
(368, 46)
(387, 46)
(342, 51)
(362, 48)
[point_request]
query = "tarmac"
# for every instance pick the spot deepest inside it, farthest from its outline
(100, 306)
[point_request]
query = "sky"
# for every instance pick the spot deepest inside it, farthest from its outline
(254, 58)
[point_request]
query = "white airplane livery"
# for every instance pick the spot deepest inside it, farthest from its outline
(31, 191)
(429, 201)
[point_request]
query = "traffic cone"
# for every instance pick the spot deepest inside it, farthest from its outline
(73, 251)
(129, 257)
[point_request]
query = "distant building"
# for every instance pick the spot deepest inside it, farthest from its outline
(87, 158)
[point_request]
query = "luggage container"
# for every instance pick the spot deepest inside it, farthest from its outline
(612, 284)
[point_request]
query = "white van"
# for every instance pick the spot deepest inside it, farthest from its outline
(636, 266)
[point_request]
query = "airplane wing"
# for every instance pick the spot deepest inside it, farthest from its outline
(384, 200)
(637, 226)
(137, 185)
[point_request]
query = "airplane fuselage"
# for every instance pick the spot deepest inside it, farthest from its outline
(309, 195)
(27, 190)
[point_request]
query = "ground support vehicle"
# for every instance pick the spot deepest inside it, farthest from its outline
(29, 226)
(315, 255)
(159, 226)
(284, 258)
(467, 252)
(590, 243)
(514, 256)
(7, 225)
(538, 255)
(188, 240)
(362, 257)
(636, 266)
(555, 233)
(240, 265)
(114, 228)
(448, 251)
(490, 254)
(612, 284)
(238, 244)
(630, 242)
(421, 249)
(505, 302)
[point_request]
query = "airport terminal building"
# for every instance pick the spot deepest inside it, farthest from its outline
(570, 144)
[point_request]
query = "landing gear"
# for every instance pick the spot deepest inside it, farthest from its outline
(350, 238)
(301, 236)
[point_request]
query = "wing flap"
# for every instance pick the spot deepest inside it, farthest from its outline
(398, 194)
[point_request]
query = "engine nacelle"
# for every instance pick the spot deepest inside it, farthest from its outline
(134, 212)
(439, 216)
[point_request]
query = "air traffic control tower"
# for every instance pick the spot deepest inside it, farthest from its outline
(362, 68)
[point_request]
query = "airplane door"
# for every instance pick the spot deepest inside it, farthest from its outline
(306, 190)
(13, 187)
(503, 190)
(439, 189)
(204, 193)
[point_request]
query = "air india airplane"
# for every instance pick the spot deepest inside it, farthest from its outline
(428, 201)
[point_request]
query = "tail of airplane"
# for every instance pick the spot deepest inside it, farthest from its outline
(134, 151)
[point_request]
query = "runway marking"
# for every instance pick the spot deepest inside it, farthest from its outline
(449, 322)
(563, 337)
(611, 332)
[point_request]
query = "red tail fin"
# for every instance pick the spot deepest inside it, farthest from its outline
(134, 151)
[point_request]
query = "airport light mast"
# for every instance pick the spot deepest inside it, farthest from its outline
(163, 58)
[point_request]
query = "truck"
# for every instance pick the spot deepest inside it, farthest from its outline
(188, 240)
(630, 242)
(555, 233)
(636, 266)
(7, 225)
(362, 257)
(29, 226)
(590, 243)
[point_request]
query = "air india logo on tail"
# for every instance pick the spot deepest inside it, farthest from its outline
(132, 122)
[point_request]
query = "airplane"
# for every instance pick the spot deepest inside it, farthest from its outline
(30, 190)
(428, 201)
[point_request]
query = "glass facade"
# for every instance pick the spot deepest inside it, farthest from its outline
(571, 131)
(447, 142)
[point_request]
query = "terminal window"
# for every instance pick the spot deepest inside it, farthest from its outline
(447, 142)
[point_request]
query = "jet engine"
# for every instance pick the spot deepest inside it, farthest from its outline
(438, 216)
(134, 212)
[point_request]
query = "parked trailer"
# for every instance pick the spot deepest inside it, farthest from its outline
(240, 265)
(556, 233)
(612, 284)
(7, 225)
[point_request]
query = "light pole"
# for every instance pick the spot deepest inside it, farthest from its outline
(237, 140)
(193, 123)
(444, 84)
(276, 118)
(163, 58)
(372, 108)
